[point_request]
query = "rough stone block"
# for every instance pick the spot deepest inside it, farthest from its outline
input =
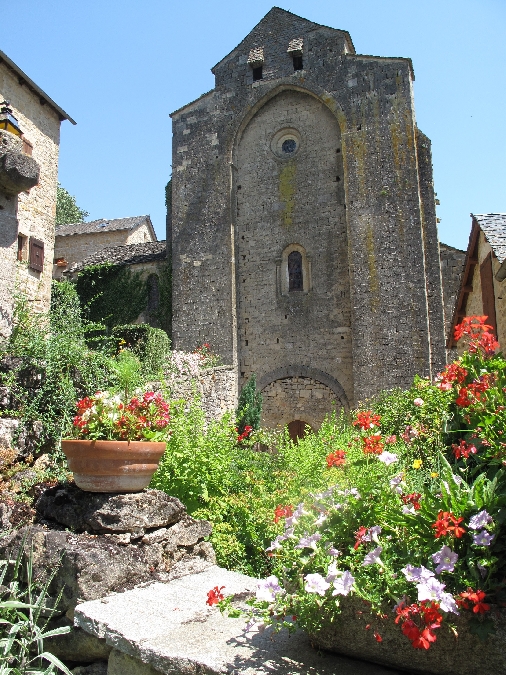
(122, 664)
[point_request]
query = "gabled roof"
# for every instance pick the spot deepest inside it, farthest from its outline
(129, 254)
(493, 226)
(24, 79)
(99, 226)
(263, 28)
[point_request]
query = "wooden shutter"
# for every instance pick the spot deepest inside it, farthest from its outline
(487, 291)
(36, 261)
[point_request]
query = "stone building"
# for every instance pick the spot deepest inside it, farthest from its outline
(29, 145)
(482, 289)
(149, 258)
(303, 228)
(77, 241)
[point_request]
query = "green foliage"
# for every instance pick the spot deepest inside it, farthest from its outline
(249, 409)
(24, 615)
(168, 196)
(57, 367)
(127, 367)
(111, 294)
(150, 345)
(67, 210)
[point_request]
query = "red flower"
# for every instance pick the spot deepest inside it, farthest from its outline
(476, 597)
(421, 634)
(378, 637)
(463, 398)
(413, 498)
(373, 445)
(366, 420)
(282, 512)
(463, 450)
(474, 326)
(360, 536)
(447, 523)
(337, 458)
(452, 373)
(214, 596)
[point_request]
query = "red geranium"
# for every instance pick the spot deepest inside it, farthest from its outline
(366, 420)
(419, 621)
(463, 450)
(337, 458)
(447, 523)
(373, 445)
(282, 512)
(214, 596)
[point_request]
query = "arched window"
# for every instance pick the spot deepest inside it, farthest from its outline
(295, 280)
(153, 293)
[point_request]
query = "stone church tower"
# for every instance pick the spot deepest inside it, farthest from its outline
(303, 230)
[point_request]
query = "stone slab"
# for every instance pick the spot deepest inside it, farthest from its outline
(170, 628)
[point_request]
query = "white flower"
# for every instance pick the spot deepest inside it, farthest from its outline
(418, 574)
(315, 583)
(344, 584)
(387, 457)
(445, 559)
(267, 589)
(418, 402)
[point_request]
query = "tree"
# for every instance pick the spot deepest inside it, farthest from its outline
(67, 210)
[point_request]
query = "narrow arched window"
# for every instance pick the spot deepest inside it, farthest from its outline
(153, 293)
(295, 280)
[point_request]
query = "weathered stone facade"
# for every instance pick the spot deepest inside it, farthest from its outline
(452, 267)
(27, 212)
(76, 242)
(303, 221)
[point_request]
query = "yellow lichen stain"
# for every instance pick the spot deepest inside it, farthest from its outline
(373, 272)
(287, 191)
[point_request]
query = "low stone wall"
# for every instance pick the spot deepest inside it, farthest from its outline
(216, 387)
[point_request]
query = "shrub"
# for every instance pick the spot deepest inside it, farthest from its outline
(150, 345)
(249, 409)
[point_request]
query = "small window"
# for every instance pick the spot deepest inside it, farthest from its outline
(21, 248)
(36, 260)
(295, 280)
(257, 73)
(297, 63)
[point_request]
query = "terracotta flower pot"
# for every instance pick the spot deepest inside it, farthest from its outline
(112, 466)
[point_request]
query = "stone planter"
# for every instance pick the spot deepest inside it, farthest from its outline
(458, 652)
(112, 466)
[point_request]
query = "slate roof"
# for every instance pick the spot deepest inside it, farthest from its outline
(103, 225)
(493, 226)
(128, 254)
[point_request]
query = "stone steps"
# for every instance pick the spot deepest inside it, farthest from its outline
(168, 628)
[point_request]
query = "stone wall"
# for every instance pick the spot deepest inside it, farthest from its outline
(217, 388)
(353, 197)
(301, 398)
(452, 267)
(32, 212)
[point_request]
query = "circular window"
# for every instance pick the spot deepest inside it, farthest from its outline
(285, 143)
(288, 146)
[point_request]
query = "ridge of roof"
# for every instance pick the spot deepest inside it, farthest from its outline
(126, 254)
(103, 225)
(35, 88)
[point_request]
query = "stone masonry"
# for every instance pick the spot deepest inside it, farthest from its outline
(27, 214)
(303, 226)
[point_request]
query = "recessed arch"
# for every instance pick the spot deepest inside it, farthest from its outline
(306, 371)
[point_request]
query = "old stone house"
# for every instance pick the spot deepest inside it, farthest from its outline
(77, 241)
(482, 290)
(303, 227)
(149, 258)
(29, 145)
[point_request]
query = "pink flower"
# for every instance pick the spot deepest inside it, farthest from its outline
(418, 402)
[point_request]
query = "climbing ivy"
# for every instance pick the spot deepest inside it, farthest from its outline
(111, 294)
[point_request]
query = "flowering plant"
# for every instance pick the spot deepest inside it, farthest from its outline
(413, 522)
(107, 416)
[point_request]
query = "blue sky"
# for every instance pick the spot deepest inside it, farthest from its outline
(119, 67)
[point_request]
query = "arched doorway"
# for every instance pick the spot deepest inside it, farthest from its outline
(298, 429)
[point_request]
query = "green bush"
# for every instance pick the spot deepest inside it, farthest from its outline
(150, 345)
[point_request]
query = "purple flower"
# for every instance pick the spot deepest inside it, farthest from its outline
(373, 557)
(417, 574)
(409, 509)
(267, 589)
(332, 572)
(431, 589)
(479, 520)
(343, 585)
(483, 569)
(387, 457)
(445, 560)
(483, 538)
(447, 603)
(309, 542)
(395, 483)
(321, 519)
(332, 551)
(275, 545)
(315, 583)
